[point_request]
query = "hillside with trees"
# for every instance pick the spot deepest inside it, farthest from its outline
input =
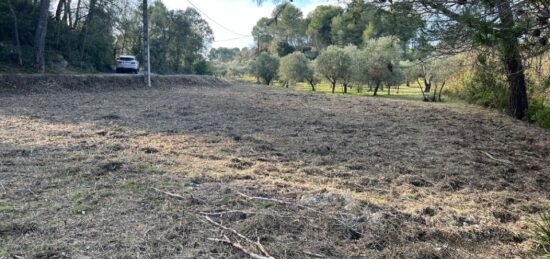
(491, 54)
(88, 36)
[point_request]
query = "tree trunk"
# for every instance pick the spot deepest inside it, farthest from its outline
(333, 86)
(85, 29)
(40, 36)
(58, 10)
(518, 90)
(427, 85)
(441, 91)
(513, 62)
(345, 88)
(376, 89)
(77, 14)
(67, 19)
(389, 89)
(312, 85)
(16, 34)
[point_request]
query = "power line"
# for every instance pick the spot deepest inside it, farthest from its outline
(239, 38)
(214, 21)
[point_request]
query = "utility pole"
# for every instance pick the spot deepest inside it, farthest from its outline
(146, 58)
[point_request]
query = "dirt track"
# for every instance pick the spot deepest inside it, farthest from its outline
(83, 174)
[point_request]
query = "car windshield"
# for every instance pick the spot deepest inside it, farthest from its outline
(126, 59)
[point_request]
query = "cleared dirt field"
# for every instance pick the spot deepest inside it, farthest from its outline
(138, 173)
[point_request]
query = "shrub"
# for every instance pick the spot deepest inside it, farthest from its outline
(539, 113)
(540, 232)
(202, 67)
(488, 87)
(542, 118)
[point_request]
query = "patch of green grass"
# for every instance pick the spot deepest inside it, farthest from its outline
(540, 232)
(411, 93)
(264, 204)
(78, 196)
(5, 207)
(153, 169)
(81, 201)
(79, 209)
(133, 186)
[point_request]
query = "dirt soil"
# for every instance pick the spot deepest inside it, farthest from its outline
(138, 173)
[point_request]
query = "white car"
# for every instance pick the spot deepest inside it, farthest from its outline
(127, 64)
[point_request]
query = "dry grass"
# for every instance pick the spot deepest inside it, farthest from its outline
(370, 177)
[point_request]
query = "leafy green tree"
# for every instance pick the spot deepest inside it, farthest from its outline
(382, 56)
(265, 67)
(348, 77)
(294, 68)
(513, 30)
(263, 34)
(435, 73)
(237, 69)
(333, 64)
(290, 24)
(320, 26)
(311, 76)
(223, 54)
(281, 48)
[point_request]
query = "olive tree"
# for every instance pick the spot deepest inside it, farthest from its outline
(333, 64)
(293, 68)
(435, 73)
(265, 67)
(311, 76)
(381, 57)
(348, 77)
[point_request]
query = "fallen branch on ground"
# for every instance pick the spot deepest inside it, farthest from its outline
(257, 243)
(240, 247)
(313, 254)
(353, 230)
(218, 213)
(170, 194)
(498, 160)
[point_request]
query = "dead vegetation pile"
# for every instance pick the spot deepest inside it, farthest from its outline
(231, 172)
(21, 83)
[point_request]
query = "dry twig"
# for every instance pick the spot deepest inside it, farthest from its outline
(255, 243)
(498, 160)
(170, 194)
(240, 247)
(313, 254)
(218, 213)
(353, 230)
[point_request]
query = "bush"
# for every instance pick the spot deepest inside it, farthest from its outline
(539, 113)
(201, 67)
(540, 232)
(488, 87)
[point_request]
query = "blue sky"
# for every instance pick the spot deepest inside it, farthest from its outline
(236, 18)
